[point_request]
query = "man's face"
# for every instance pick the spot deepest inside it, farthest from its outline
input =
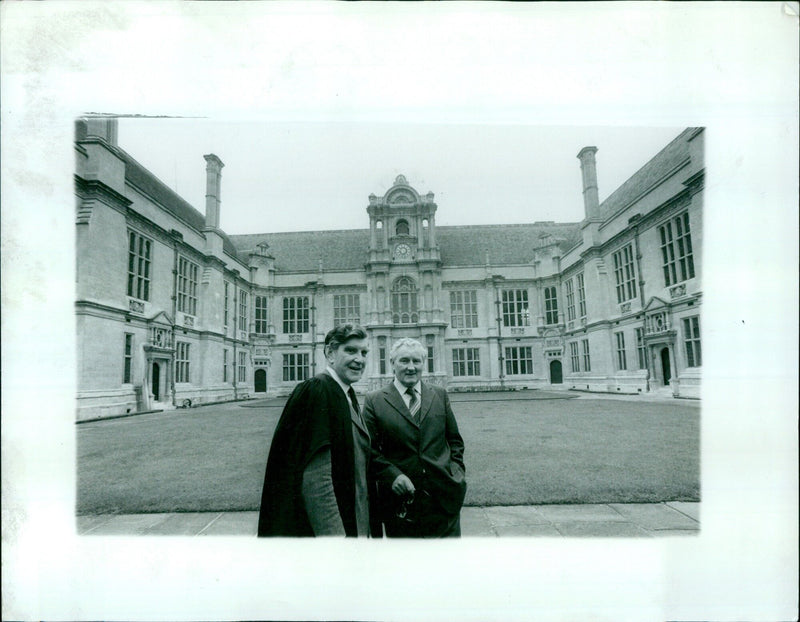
(349, 359)
(407, 365)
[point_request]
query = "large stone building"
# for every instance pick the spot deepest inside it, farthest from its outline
(172, 311)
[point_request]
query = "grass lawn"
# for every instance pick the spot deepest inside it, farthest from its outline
(518, 451)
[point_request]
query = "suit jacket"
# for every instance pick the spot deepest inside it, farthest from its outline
(316, 415)
(428, 449)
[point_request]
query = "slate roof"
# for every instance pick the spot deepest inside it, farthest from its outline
(658, 166)
(459, 246)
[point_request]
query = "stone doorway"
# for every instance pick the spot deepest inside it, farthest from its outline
(666, 370)
(155, 382)
(260, 381)
(555, 372)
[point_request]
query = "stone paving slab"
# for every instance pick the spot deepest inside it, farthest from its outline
(655, 516)
(691, 509)
(504, 516)
(86, 524)
(475, 522)
(598, 520)
(128, 524)
(232, 524)
(530, 530)
(592, 512)
(603, 529)
(677, 532)
(181, 524)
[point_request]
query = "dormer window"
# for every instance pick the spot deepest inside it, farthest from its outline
(401, 227)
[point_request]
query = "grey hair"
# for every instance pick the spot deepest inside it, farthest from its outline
(407, 342)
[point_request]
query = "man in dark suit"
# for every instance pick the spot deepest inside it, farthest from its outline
(419, 459)
(316, 478)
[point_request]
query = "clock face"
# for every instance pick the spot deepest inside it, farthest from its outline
(403, 251)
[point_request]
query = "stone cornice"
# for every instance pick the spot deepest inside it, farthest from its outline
(95, 189)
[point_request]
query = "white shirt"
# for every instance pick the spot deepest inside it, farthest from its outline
(335, 376)
(401, 388)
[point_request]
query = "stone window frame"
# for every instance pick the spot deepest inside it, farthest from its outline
(550, 305)
(691, 341)
(466, 362)
(346, 309)
(463, 312)
(621, 357)
(183, 353)
(625, 273)
(516, 309)
(261, 318)
(187, 285)
(140, 260)
(677, 255)
(519, 360)
(296, 314)
(295, 366)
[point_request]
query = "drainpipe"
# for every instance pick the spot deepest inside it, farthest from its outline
(174, 315)
(634, 220)
(235, 337)
(499, 320)
(313, 331)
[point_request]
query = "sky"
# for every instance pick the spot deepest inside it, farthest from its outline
(281, 176)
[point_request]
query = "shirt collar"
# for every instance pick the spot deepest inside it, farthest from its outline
(335, 376)
(401, 388)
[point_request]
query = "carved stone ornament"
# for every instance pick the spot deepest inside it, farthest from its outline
(625, 307)
(401, 197)
(188, 320)
(136, 306)
(678, 290)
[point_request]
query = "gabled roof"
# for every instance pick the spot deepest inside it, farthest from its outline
(659, 165)
(459, 246)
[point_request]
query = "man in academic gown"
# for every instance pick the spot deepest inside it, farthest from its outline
(316, 478)
(419, 459)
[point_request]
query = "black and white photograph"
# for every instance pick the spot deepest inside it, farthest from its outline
(307, 302)
(547, 335)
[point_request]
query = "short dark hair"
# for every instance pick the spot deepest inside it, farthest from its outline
(343, 333)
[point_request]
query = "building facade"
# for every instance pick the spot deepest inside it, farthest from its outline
(171, 311)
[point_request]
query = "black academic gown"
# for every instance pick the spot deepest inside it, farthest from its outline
(317, 415)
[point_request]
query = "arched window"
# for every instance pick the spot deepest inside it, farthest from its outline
(402, 227)
(404, 301)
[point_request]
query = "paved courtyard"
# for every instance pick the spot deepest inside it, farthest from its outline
(638, 520)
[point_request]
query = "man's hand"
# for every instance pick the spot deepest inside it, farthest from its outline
(402, 485)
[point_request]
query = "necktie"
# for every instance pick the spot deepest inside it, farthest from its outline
(413, 404)
(353, 399)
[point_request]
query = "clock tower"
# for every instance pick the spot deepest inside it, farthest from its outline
(404, 276)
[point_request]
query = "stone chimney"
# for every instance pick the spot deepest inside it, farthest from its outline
(591, 202)
(213, 186)
(102, 127)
